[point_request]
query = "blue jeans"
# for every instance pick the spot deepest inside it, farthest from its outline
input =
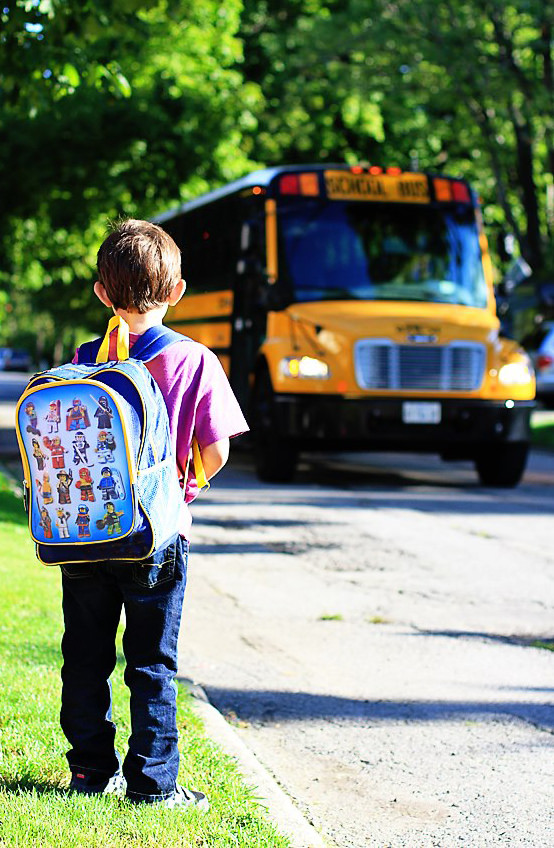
(151, 592)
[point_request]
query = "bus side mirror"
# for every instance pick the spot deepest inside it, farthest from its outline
(517, 273)
(250, 261)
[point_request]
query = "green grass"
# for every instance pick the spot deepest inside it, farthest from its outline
(35, 807)
(542, 434)
(545, 645)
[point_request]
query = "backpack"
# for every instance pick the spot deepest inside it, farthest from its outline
(100, 473)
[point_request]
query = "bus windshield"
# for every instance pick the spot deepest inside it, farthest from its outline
(338, 250)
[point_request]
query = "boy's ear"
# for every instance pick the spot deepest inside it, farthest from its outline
(101, 294)
(177, 293)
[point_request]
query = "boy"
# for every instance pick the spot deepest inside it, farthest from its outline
(139, 268)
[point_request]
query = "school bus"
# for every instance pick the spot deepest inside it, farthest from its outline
(353, 309)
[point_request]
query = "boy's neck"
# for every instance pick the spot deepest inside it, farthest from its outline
(139, 323)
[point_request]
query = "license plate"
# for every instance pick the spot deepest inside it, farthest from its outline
(421, 412)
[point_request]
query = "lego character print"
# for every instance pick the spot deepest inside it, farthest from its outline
(56, 449)
(105, 446)
(111, 520)
(76, 416)
(32, 419)
(85, 484)
(38, 455)
(46, 523)
(61, 523)
(78, 477)
(45, 488)
(111, 484)
(83, 522)
(65, 479)
(80, 447)
(104, 413)
(53, 416)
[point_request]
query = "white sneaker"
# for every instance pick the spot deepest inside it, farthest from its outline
(84, 784)
(183, 798)
(116, 785)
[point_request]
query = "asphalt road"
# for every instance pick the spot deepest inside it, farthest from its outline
(11, 387)
(373, 632)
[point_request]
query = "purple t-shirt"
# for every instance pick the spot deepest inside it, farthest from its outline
(199, 401)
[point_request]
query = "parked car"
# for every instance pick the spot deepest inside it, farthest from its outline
(539, 344)
(14, 359)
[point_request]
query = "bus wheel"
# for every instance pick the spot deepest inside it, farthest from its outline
(502, 465)
(275, 458)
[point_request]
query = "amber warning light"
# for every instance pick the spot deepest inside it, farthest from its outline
(451, 191)
(306, 184)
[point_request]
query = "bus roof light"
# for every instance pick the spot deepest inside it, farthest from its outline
(357, 169)
(443, 191)
(289, 184)
(375, 169)
(460, 192)
(395, 171)
(309, 184)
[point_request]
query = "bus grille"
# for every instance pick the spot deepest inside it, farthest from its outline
(456, 367)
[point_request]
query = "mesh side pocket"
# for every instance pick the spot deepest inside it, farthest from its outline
(162, 500)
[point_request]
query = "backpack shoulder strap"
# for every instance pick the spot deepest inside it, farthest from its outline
(147, 346)
(155, 340)
(88, 351)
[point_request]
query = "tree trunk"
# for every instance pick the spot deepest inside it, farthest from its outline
(531, 247)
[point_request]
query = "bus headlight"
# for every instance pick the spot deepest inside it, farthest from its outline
(516, 373)
(304, 366)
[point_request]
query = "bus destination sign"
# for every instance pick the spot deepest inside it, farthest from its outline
(392, 188)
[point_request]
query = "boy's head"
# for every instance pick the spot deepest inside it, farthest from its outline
(139, 266)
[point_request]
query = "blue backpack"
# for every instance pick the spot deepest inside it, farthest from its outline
(100, 475)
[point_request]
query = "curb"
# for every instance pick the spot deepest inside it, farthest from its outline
(281, 810)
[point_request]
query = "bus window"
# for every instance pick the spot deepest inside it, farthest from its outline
(334, 251)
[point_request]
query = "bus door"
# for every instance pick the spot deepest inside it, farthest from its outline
(250, 303)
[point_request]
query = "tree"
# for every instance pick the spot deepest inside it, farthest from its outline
(465, 86)
(108, 108)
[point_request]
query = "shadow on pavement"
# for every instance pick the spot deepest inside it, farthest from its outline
(545, 642)
(269, 707)
(476, 501)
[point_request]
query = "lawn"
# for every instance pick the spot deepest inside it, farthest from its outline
(35, 807)
(542, 433)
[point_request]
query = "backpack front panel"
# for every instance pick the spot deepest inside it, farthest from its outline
(78, 447)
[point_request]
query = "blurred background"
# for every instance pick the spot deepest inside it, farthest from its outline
(132, 107)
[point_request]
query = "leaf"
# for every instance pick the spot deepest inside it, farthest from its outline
(71, 75)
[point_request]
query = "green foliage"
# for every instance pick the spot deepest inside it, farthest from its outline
(124, 104)
(465, 87)
(129, 107)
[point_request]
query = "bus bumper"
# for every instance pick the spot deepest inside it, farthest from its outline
(331, 423)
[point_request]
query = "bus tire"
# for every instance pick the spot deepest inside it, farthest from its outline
(502, 465)
(275, 458)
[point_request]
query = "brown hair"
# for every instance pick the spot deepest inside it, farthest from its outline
(138, 265)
